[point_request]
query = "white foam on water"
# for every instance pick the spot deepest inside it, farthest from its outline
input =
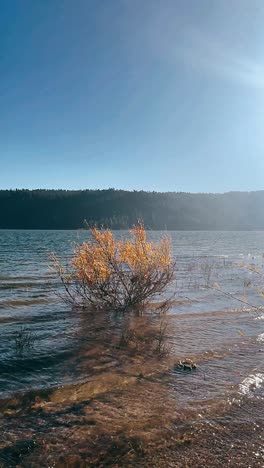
(260, 338)
(251, 383)
(260, 317)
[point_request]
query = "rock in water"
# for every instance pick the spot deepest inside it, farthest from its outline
(187, 364)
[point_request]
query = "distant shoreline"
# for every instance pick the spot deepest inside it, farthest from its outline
(120, 209)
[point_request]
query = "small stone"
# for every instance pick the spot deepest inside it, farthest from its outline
(187, 364)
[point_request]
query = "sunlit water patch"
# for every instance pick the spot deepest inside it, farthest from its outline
(252, 383)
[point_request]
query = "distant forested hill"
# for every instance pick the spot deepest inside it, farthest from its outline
(119, 209)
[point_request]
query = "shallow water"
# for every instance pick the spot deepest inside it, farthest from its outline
(224, 336)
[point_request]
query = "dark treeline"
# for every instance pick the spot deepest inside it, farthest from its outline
(119, 209)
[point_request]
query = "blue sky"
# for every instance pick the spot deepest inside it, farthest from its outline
(157, 94)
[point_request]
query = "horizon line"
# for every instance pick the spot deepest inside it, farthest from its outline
(126, 190)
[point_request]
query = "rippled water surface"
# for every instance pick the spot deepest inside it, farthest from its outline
(223, 335)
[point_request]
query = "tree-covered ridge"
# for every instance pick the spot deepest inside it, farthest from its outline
(120, 209)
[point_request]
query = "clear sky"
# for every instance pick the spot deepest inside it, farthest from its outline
(137, 94)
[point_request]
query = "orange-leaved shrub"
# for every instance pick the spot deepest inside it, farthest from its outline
(117, 274)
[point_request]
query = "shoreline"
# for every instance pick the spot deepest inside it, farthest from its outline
(120, 419)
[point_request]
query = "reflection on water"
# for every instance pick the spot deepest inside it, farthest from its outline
(224, 337)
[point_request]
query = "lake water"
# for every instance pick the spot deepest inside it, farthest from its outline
(223, 335)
